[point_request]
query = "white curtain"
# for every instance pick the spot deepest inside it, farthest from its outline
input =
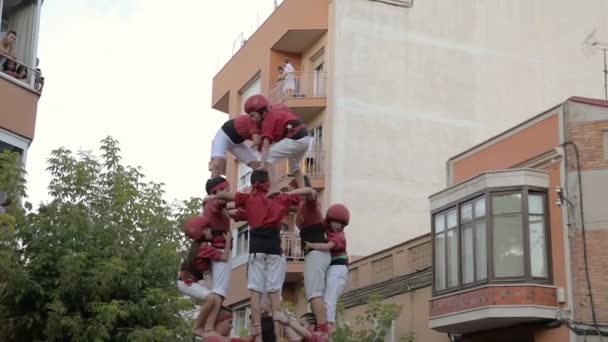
(23, 21)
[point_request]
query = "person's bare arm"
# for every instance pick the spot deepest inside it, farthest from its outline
(320, 246)
(265, 150)
(225, 196)
(256, 139)
(228, 249)
(309, 193)
(292, 323)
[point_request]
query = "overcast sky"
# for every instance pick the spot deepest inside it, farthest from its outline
(140, 71)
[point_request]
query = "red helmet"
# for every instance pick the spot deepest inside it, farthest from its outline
(256, 103)
(338, 212)
(193, 227)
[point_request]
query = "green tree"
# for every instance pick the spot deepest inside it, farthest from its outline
(371, 326)
(99, 261)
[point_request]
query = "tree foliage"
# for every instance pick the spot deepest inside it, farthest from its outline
(99, 261)
(372, 325)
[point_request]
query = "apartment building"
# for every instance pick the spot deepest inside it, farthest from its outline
(391, 89)
(397, 87)
(513, 235)
(19, 94)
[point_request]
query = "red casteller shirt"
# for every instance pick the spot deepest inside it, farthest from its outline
(202, 261)
(261, 211)
(215, 216)
(246, 127)
(274, 126)
(309, 212)
(339, 240)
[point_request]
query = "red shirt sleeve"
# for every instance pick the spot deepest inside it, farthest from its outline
(339, 240)
(240, 200)
(288, 200)
(240, 215)
(268, 127)
(208, 252)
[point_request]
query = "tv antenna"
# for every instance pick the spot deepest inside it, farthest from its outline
(591, 45)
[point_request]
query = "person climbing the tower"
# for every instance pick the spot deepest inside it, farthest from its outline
(232, 136)
(283, 136)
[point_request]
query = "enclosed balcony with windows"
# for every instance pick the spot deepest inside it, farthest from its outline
(491, 252)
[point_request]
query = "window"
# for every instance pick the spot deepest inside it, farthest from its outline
(509, 228)
(242, 240)
(474, 251)
(239, 323)
(244, 176)
(446, 249)
(507, 235)
(383, 268)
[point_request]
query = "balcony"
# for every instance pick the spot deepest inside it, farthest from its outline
(304, 93)
(19, 94)
(313, 166)
(491, 260)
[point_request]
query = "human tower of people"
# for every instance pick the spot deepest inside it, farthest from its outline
(277, 134)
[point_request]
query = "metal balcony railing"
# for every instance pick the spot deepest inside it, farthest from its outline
(21, 72)
(299, 85)
(313, 165)
(292, 247)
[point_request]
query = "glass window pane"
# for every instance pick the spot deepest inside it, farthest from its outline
(536, 204)
(481, 263)
(439, 262)
(451, 221)
(480, 207)
(538, 250)
(439, 223)
(507, 203)
(466, 212)
(468, 275)
(508, 246)
(452, 258)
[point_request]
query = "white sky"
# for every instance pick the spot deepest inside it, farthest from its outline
(140, 71)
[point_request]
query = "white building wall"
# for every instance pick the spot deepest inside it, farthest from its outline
(411, 87)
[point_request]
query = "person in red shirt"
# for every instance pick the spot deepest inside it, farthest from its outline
(303, 330)
(264, 213)
(284, 131)
(198, 262)
(215, 216)
(232, 137)
(336, 218)
(309, 220)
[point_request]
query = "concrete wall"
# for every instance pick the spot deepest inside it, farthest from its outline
(413, 317)
(411, 87)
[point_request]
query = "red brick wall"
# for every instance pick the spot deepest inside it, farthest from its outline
(589, 137)
(597, 251)
(494, 295)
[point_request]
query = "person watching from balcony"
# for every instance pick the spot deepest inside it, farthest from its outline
(191, 281)
(284, 131)
(231, 137)
(336, 218)
(21, 73)
(265, 212)
(9, 67)
(290, 81)
(8, 44)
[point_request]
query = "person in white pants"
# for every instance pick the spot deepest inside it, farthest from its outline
(232, 136)
(283, 136)
(336, 218)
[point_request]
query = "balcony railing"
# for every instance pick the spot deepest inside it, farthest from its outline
(18, 71)
(313, 165)
(299, 85)
(292, 246)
